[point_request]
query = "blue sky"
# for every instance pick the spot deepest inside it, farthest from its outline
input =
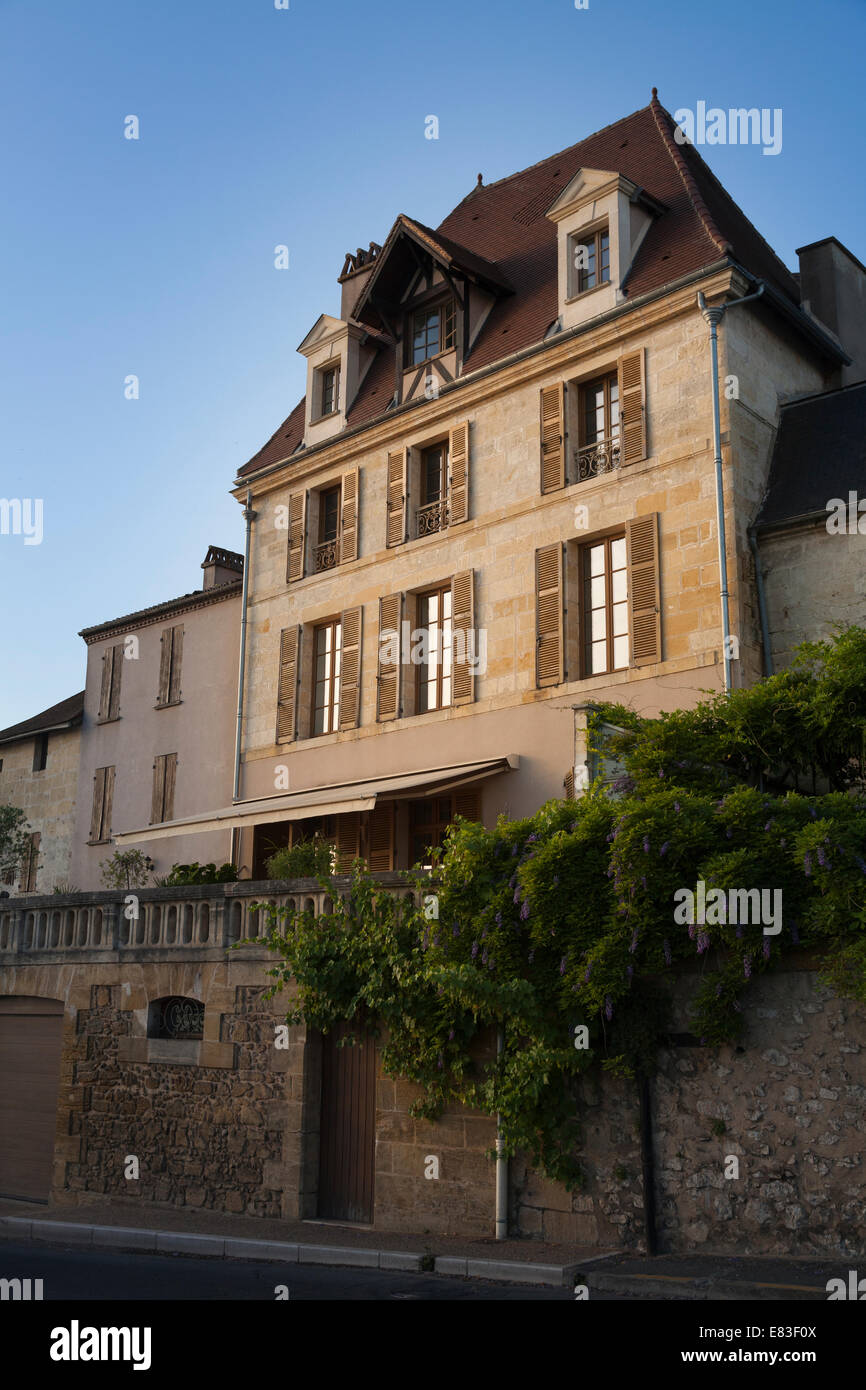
(303, 127)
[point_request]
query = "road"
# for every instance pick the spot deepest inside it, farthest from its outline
(71, 1274)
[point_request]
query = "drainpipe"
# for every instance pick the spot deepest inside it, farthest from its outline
(501, 1163)
(713, 316)
(762, 604)
(249, 517)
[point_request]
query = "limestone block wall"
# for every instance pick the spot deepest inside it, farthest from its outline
(48, 800)
(812, 581)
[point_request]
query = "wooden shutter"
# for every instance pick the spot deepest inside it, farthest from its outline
(348, 840)
(388, 681)
(462, 645)
(568, 783)
(632, 406)
(287, 687)
(176, 659)
(30, 863)
(349, 517)
(350, 668)
(297, 536)
(467, 803)
(158, 795)
(116, 672)
(380, 832)
(552, 438)
(548, 615)
(643, 590)
(109, 695)
(165, 643)
(395, 529)
(168, 789)
(100, 815)
(458, 464)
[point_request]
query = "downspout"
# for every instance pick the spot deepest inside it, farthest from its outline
(762, 603)
(713, 316)
(249, 517)
(501, 1163)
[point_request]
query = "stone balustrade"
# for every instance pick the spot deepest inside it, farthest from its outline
(202, 920)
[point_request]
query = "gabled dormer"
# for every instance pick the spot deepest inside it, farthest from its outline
(429, 297)
(601, 218)
(338, 355)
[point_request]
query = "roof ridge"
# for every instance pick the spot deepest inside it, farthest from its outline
(685, 173)
(558, 154)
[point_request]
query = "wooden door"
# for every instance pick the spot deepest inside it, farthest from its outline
(30, 1034)
(348, 1127)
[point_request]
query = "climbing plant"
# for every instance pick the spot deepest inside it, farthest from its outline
(572, 919)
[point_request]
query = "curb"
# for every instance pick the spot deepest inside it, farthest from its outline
(239, 1248)
(700, 1288)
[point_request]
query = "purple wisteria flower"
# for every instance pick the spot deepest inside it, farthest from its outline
(646, 846)
(483, 957)
(512, 881)
(587, 972)
(643, 881)
(490, 963)
(474, 949)
(440, 1064)
(821, 857)
(531, 839)
(703, 942)
(517, 894)
(729, 834)
(436, 939)
(677, 807)
(524, 911)
(718, 990)
(498, 919)
(661, 772)
(633, 946)
(562, 966)
(608, 1007)
(556, 880)
(692, 930)
(666, 947)
(513, 851)
(739, 932)
(451, 1035)
(770, 823)
(664, 849)
(531, 957)
(455, 930)
(747, 967)
(766, 949)
(807, 863)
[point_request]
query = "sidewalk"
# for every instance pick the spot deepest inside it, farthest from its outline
(188, 1231)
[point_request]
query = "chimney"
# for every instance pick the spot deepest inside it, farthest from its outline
(221, 567)
(833, 290)
(354, 276)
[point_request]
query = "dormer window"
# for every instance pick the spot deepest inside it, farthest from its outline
(434, 330)
(590, 260)
(329, 390)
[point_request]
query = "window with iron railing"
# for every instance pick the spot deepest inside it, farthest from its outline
(327, 550)
(432, 514)
(598, 450)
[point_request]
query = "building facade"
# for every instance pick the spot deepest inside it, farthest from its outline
(39, 774)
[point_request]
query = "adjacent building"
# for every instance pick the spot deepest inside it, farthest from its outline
(39, 774)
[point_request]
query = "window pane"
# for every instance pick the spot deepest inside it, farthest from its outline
(599, 657)
(620, 652)
(620, 619)
(596, 559)
(619, 586)
(617, 553)
(598, 626)
(597, 592)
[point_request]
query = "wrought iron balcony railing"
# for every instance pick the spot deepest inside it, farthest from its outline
(327, 555)
(433, 517)
(594, 459)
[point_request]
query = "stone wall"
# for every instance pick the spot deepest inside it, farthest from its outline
(48, 800)
(813, 579)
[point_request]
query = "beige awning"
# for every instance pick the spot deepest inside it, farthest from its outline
(324, 801)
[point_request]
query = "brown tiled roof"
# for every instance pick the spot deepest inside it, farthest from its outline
(66, 714)
(504, 225)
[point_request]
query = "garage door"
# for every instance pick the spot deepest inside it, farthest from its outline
(30, 1032)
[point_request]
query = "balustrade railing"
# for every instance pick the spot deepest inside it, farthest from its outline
(327, 556)
(594, 459)
(433, 517)
(207, 917)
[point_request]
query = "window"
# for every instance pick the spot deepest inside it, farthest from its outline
(329, 390)
(171, 654)
(433, 330)
(100, 816)
(30, 863)
(433, 511)
(326, 690)
(164, 775)
(176, 1018)
(428, 822)
(590, 261)
(598, 427)
(40, 752)
(434, 623)
(605, 605)
(329, 526)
